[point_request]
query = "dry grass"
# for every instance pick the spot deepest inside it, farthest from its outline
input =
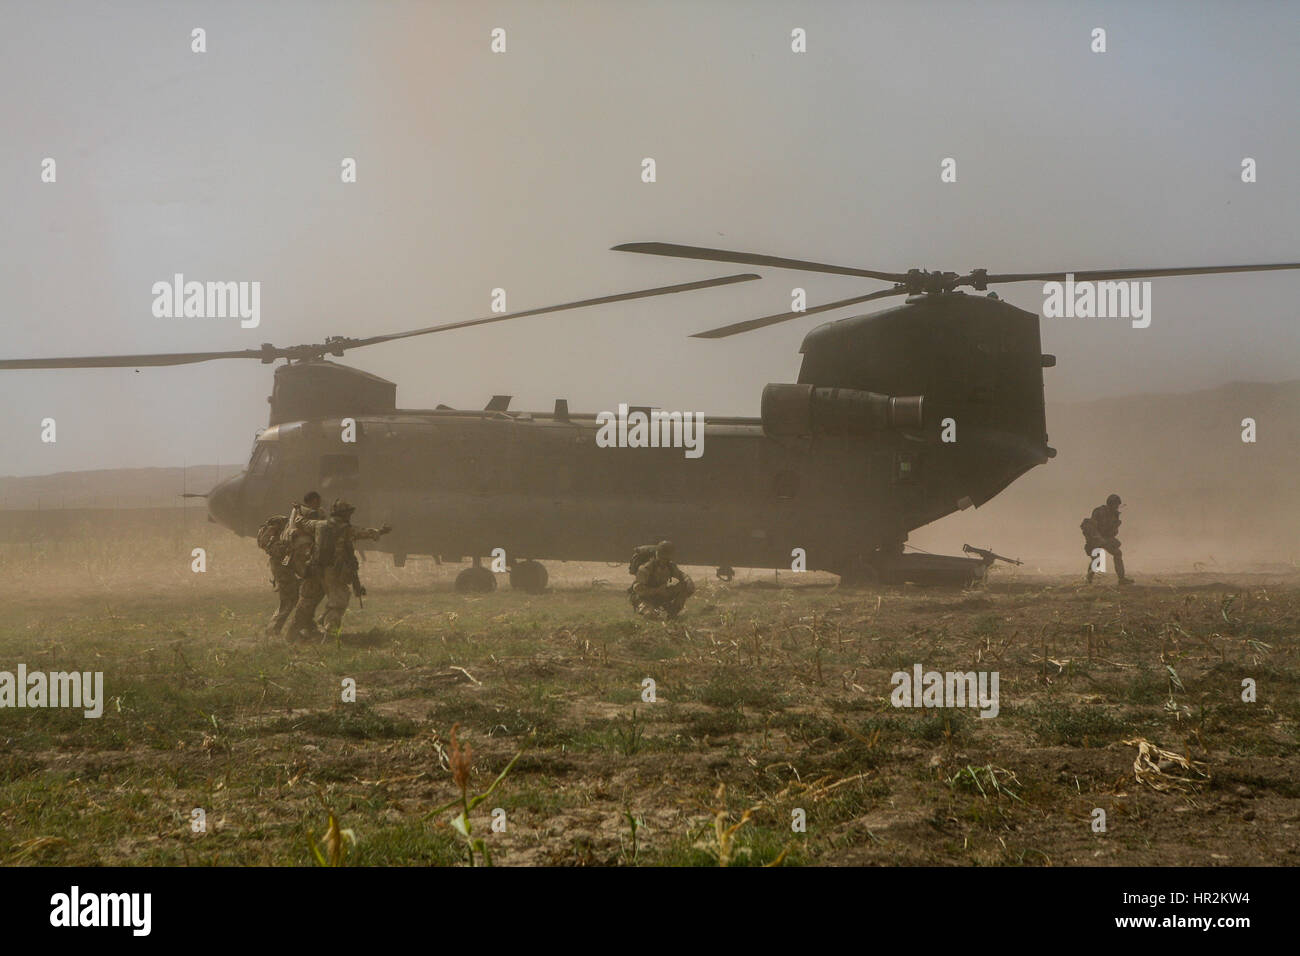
(768, 701)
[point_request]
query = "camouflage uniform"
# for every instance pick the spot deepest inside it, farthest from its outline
(310, 592)
(331, 570)
(652, 594)
(286, 585)
(289, 568)
(1099, 531)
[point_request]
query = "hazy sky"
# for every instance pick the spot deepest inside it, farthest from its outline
(519, 170)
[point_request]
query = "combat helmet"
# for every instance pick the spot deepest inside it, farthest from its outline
(1113, 501)
(665, 549)
(341, 509)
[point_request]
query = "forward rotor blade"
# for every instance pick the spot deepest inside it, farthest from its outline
(339, 345)
(1096, 274)
(128, 361)
(580, 304)
(748, 326)
(750, 259)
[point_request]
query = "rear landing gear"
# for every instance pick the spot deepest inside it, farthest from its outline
(476, 580)
(726, 572)
(529, 576)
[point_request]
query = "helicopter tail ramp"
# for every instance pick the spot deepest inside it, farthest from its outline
(940, 570)
(973, 364)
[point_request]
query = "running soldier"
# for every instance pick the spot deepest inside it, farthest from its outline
(332, 571)
(275, 537)
(1099, 532)
(653, 594)
(289, 558)
(282, 580)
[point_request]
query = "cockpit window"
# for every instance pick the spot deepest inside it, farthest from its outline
(263, 460)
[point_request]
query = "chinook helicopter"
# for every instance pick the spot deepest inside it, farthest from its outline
(839, 466)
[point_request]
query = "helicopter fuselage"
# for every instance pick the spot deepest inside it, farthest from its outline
(820, 478)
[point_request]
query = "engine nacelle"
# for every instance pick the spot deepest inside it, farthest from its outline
(791, 411)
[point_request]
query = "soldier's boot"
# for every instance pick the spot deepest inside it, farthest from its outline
(1119, 569)
(1091, 573)
(300, 630)
(652, 611)
(331, 623)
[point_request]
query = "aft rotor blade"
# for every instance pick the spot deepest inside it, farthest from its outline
(1101, 274)
(748, 326)
(752, 259)
(128, 361)
(580, 304)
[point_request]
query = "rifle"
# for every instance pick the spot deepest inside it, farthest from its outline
(357, 587)
(988, 556)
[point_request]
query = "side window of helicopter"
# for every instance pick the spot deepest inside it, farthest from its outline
(785, 485)
(339, 471)
(906, 467)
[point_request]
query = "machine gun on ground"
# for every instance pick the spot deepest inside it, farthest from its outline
(988, 556)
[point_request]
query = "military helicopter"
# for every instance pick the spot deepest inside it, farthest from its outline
(835, 472)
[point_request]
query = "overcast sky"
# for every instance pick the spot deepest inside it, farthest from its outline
(519, 170)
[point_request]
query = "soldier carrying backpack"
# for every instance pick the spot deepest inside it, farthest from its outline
(283, 538)
(332, 571)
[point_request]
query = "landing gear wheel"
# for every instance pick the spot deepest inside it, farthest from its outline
(529, 576)
(726, 572)
(476, 580)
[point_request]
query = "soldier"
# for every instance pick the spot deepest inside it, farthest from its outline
(332, 572)
(289, 558)
(1099, 531)
(652, 593)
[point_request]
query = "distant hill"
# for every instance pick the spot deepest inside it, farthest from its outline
(112, 488)
(1193, 491)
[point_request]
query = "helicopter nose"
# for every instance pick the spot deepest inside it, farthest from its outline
(223, 503)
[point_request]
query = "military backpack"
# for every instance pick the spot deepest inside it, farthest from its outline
(268, 536)
(326, 547)
(642, 555)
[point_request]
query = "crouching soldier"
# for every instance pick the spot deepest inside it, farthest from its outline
(332, 572)
(661, 587)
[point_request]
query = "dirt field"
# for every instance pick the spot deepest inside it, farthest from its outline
(772, 695)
